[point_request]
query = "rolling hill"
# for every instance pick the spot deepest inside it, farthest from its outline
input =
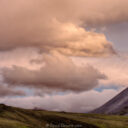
(12, 117)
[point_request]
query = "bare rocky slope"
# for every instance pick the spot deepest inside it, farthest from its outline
(117, 105)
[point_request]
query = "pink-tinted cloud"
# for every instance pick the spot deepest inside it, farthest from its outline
(58, 74)
(7, 91)
(51, 26)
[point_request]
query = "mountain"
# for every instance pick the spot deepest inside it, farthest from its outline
(117, 105)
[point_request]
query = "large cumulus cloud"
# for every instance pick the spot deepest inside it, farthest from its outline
(58, 73)
(56, 26)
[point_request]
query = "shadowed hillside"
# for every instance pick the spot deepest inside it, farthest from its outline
(11, 117)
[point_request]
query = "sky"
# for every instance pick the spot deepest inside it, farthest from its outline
(63, 55)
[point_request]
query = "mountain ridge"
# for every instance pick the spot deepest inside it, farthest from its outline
(116, 105)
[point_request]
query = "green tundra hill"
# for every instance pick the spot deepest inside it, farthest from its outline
(12, 117)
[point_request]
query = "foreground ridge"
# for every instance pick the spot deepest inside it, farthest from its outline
(13, 117)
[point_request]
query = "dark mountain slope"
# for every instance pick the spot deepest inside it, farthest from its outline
(117, 105)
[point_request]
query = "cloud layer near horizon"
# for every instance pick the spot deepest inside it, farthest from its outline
(9, 91)
(81, 102)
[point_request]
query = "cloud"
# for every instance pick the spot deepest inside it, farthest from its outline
(115, 68)
(81, 102)
(51, 26)
(59, 27)
(58, 73)
(25, 57)
(7, 91)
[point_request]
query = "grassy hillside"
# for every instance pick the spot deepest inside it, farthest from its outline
(11, 117)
